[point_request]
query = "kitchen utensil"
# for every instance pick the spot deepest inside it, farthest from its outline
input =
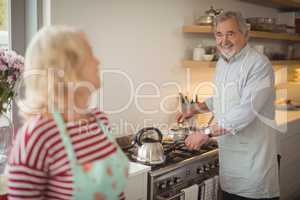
(205, 20)
(208, 57)
(211, 119)
(150, 149)
(209, 16)
(261, 20)
(280, 28)
(198, 52)
(262, 23)
(180, 133)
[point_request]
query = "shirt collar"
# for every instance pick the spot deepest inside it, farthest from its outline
(238, 55)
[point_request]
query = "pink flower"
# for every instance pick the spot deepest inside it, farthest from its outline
(3, 67)
(10, 79)
(11, 65)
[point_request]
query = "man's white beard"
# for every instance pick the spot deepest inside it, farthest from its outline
(228, 55)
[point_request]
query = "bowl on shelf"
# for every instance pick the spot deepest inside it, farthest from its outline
(208, 57)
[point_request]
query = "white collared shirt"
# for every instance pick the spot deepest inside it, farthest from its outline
(243, 104)
(250, 76)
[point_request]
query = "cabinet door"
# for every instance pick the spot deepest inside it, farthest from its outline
(136, 188)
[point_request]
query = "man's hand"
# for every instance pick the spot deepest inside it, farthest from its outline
(181, 117)
(217, 130)
(196, 140)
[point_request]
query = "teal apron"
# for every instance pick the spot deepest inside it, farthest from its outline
(103, 179)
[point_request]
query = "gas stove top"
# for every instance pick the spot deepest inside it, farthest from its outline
(174, 152)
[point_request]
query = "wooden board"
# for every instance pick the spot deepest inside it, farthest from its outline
(253, 34)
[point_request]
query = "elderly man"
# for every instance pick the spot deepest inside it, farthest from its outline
(243, 107)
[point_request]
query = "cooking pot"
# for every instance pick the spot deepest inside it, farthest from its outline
(150, 149)
(209, 16)
(262, 23)
(179, 134)
(205, 20)
(261, 20)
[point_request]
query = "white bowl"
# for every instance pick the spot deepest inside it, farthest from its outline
(208, 57)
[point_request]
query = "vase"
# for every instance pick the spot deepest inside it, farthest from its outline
(6, 138)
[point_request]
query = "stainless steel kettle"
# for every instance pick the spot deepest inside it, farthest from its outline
(150, 149)
(209, 16)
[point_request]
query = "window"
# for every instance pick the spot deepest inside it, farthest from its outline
(4, 24)
(4, 41)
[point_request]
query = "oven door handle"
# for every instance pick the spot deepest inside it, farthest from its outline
(177, 195)
(170, 198)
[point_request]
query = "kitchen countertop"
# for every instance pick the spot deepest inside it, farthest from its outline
(137, 168)
(284, 116)
(288, 122)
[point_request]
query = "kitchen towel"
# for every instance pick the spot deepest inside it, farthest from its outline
(210, 189)
(190, 193)
(201, 192)
(216, 180)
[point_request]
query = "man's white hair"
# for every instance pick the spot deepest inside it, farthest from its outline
(237, 16)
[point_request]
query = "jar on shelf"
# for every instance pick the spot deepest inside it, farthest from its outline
(198, 53)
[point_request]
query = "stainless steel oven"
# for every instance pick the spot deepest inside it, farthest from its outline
(182, 169)
(168, 183)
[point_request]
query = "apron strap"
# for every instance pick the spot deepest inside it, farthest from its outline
(105, 130)
(65, 138)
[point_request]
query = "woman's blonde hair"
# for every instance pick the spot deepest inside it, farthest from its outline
(52, 60)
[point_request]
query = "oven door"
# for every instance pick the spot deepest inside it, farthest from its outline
(180, 195)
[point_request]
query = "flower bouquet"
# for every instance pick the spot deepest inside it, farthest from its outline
(11, 66)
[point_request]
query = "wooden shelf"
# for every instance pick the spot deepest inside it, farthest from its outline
(285, 62)
(253, 34)
(280, 86)
(192, 63)
(197, 29)
(274, 36)
(211, 64)
(283, 5)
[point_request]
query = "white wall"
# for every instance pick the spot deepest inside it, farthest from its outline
(143, 39)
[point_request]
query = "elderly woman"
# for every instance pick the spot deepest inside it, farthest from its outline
(64, 150)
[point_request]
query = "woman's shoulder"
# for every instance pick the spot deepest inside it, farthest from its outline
(99, 114)
(32, 138)
(37, 126)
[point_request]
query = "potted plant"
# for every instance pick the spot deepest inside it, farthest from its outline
(11, 66)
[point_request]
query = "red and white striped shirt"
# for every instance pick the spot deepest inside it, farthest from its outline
(39, 167)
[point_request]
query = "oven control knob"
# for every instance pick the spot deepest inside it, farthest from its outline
(217, 163)
(163, 185)
(212, 166)
(206, 168)
(200, 170)
(170, 183)
(177, 180)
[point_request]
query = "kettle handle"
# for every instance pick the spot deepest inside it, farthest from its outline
(142, 131)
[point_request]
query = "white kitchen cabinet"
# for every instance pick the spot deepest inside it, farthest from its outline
(136, 188)
(289, 169)
(289, 145)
